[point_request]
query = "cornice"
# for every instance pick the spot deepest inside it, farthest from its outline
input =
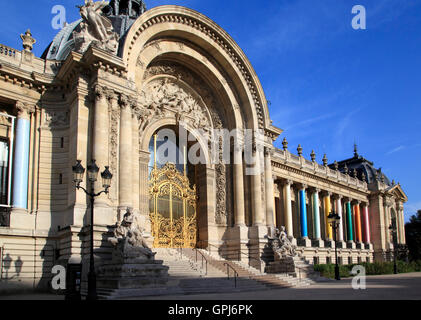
(318, 178)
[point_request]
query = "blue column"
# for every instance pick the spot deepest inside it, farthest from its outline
(21, 164)
(303, 213)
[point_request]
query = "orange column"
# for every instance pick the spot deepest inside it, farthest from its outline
(358, 230)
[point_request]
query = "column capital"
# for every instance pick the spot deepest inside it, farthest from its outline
(365, 204)
(288, 182)
(123, 100)
(24, 109)
(355, 202)
(302, 186)
(326, 193)
(269, 151)
(99, 92)
(316, 190)
(338, 196)
(110, 94)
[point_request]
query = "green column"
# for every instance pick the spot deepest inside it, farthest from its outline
(349, 220)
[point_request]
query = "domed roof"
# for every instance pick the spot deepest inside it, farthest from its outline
(62, 44)
(365, 169)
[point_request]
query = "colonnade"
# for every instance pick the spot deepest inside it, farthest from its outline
(306, 210)
(313, 207)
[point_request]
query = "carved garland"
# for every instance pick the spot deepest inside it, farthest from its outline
(114, 120)
(237, 60)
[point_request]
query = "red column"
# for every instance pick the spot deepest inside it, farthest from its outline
(366, 224)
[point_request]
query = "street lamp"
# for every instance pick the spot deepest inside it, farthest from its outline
(334, 220)
(78, 173)
(393, 232)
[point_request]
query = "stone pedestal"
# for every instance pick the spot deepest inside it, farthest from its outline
(131, 269)
(284, 265)
(360, 245)
(318, 243)
(341, 244)
(304, 242)
(350, 245)
(329, 243)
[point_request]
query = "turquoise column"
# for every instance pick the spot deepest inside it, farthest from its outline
(21, 159)
(349, 221)
(316, 214)
(303, 213)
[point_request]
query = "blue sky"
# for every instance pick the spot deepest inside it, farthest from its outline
(329, 85)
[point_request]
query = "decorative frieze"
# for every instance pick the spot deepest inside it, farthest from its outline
(56, 119)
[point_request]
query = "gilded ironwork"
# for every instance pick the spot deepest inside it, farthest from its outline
(172, 208)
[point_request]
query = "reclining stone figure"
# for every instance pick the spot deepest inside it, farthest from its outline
(281, 245)
(128, 239)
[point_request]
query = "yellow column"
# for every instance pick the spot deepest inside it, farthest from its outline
(328, 209)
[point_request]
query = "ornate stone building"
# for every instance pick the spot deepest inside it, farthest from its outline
(104, 86)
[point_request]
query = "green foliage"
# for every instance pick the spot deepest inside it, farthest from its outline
(375, 268)
(413, 236)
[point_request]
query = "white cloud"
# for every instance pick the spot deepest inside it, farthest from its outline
(401, 147)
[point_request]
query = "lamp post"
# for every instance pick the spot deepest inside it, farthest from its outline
(334, 220)
(393, 232)
(78, 172)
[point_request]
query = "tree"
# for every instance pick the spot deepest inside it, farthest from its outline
(413, 236)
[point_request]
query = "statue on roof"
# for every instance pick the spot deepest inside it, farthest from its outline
(131, 8)
(95, 28)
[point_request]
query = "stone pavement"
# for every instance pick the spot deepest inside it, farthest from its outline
(384, 287)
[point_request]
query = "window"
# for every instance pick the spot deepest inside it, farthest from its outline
(7, 124)
(349, 260)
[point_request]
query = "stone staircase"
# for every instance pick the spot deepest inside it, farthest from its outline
(186, 276)
(272, 281)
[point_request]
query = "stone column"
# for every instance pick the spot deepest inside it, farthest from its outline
(388, 222)
(125, 154)
(256, 192)
(100, 137)
(239, 186)
(338, 202)
(21, 157)
(135, 162)
(401, 224)
(303, 211)
(288, 208)
(269, 195)
(350, 224)
(366, 224)
(316, 214)
(144, 196)
(304, 241)
(327, 210)
(358, 231)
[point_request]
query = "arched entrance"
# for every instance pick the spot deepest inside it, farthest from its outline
(173, 195)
